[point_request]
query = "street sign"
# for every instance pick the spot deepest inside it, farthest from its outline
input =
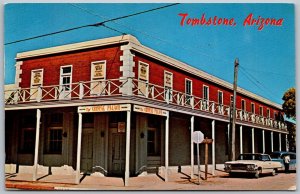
(198, 137)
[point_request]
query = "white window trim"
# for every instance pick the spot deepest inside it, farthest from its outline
(219, 91)
(243, 100)
(253, 107)
(207, 92)
(165, 71)
(268, 113)
(262, 111)
(61, 73)
(186, 79)
(148, 67)
(92, 77)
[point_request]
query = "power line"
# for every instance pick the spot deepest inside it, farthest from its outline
(92, 25)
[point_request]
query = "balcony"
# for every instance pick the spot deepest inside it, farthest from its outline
(119, 87)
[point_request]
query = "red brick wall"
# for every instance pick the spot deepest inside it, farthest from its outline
(156, 76)
(81, 65)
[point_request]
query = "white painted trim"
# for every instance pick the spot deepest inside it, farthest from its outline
(192, 146)
(220, 91)
(37, 140)
(241, 139)
(263, 142)
(167, 148)
(191, 86)
(79, 136)
(168, 72)
(207, 92)
(18, 73)
(253, 146)
(61, 75)
(213, 148)
(127, 151)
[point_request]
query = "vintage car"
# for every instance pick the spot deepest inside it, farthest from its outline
(279, 157)
(255, 164)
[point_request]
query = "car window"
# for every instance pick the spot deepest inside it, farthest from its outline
(265, 158)
(275, 155)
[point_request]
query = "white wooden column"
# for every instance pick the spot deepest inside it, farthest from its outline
(272, 149)
(37, 139)
(263, 139)
(279, 141)
(286, 143)
(77, 179)
(127, 154)
(253, 146)
(166, 147)
(192, 146)
(213, 155)
(241, 139)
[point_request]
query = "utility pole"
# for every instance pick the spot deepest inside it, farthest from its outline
(233, 113)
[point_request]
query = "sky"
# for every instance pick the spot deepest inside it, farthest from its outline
(266, 56)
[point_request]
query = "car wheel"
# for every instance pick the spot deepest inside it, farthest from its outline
(273, 172)
(257, 173)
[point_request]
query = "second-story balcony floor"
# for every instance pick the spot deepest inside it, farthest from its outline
(130, 90)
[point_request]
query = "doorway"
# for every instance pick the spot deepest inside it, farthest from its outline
(116, 153)
(87, 150)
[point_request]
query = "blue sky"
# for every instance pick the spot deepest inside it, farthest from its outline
(267, 57)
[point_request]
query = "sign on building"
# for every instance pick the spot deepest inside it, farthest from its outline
(104, 108)
(149, 110)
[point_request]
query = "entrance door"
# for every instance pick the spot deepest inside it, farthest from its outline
(87, 150)
(117, 162)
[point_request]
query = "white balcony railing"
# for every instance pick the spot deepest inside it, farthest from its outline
(114, 87)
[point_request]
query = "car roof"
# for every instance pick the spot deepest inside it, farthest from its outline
(283, 152)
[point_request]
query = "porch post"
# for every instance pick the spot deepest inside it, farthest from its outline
(241, 139)
(271, 141)
(37, 139)
(77, 179)
(167, 147)
(127, 148)
(253, 146)
(263, 139)
(286, 143)
(213, 155)
(279, 141)
(192, 146)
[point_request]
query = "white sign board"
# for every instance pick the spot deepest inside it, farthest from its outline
(104, 108)
(149, 110)
(198, 137)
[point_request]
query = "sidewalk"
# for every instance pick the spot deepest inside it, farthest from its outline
(177, 181)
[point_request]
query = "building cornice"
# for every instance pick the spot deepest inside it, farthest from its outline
(138, 47)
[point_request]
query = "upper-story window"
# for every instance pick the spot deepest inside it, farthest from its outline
(231, 100)
(168, 84)
(252, 108)
(188, 90)
(261, 111)
(268, 113)
(65, 81)
(35, 82)
(143, 76)
(220, 97)
(205, 96)
(243, 105)
(98, 75)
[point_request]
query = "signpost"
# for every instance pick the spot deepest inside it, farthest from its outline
(206, 141)
(198, 137)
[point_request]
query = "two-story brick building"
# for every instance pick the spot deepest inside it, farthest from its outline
(114, 107)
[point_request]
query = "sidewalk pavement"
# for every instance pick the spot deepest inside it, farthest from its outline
(177, 181)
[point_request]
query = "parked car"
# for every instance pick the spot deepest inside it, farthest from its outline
(255, 164)
(279, 157)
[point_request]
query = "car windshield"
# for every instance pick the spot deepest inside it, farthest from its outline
(250, 157)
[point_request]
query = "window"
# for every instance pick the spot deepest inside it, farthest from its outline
(261, 111)
(36, 82)
(98, 74)
(168, 83)
(231, 100)
(268, 113)
(188, 90)
(54, 134)
(243, 105)
(205, 97)
(153, 146)
(65, 81)
(252, 107)
(220, 97)
(27, 136)
(143, 76)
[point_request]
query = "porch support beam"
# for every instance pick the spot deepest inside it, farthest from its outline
(192, 146)
(263, 141)
(213, 155)
(253, 146)
(77, 178)
(166, 147)
(272, 149)
(279, 141)
(37, 139)
(127, 154)
(241, 139)
(286, 143)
